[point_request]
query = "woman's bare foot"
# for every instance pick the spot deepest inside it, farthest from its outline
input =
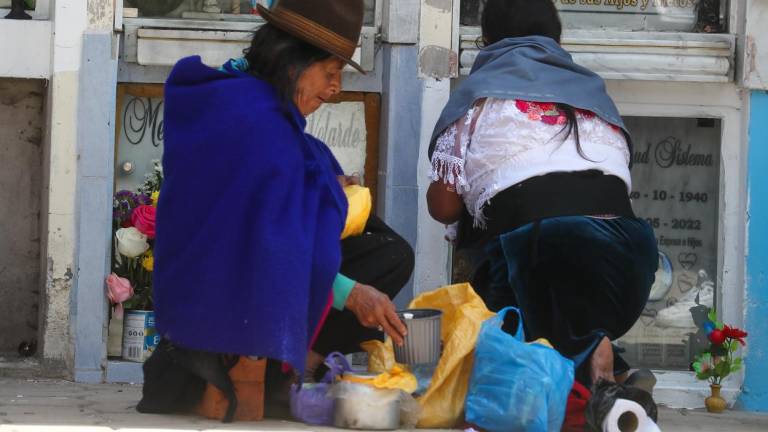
(622, 377)
(601, 362)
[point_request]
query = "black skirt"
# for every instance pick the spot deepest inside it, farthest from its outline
(576, 279)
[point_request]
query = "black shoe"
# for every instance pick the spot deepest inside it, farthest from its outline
(277, 391)
(643, 379)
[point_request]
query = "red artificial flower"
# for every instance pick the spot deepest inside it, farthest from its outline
(735, 333)
(717, 337)
(143, 218)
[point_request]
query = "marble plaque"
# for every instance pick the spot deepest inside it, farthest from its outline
(676, 190)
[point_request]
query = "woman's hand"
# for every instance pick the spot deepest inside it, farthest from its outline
(374, 309)
(444, 203)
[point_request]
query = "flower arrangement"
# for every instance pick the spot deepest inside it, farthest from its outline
(129, 286)
(717, 362)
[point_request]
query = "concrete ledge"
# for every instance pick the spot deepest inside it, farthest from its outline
(25, 51)
(46, 406)
(89, 376)
(645, 56)
(119, 371)
(19, 368)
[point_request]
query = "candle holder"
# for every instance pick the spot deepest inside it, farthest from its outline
(17, 11)
(708, 17)
(211, 6)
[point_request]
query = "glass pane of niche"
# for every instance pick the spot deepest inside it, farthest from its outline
(139, 147)
(675, 184)
(216, 10)
(703, 16)
(28, 4)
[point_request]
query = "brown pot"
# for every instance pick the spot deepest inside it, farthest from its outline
(715, 403)
(248, 378)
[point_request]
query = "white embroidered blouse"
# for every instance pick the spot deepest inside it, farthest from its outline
(501, 142)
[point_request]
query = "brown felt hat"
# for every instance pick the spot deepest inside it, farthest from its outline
(331, 25)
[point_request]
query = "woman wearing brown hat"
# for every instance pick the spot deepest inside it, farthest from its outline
(248, 259)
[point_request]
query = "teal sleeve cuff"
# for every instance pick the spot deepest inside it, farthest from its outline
(342, 286)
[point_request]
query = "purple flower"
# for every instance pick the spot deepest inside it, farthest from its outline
(143, 199)
(123, 205)
(125, 195)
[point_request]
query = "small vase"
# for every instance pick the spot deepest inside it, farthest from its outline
(115, 337)
(715, 403)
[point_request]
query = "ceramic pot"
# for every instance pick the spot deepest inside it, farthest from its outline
(715, 403)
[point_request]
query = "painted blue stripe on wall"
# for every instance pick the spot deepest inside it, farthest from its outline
(755, 394)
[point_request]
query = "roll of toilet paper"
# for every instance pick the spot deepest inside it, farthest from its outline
(628, 416)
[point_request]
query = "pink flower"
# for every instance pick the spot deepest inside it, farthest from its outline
(143, 218)
(118, 290)
(534, 115)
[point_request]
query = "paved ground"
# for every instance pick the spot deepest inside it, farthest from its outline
(59, 406)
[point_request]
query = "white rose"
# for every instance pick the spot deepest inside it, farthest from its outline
(131, 242)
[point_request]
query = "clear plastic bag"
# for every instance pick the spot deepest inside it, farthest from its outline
(398, 378)
(310, 402)
(516, 386)
(361, 406)
(381, 355)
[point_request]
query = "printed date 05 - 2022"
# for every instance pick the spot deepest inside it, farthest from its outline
(675, 224)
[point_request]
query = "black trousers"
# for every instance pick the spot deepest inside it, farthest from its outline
(380, 258)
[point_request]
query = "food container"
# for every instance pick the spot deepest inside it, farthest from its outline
(359, 406)
(140, 336)
(422, 344)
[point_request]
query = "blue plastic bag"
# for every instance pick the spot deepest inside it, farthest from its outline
(310, 402)
(516, 386)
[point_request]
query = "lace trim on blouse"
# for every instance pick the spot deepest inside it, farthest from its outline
(449, 156)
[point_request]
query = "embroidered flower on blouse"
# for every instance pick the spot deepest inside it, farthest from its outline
(589, 115)
(544, 112)
(548, 113)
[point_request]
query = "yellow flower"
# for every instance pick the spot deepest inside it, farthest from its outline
(155, 197)
(148, 262)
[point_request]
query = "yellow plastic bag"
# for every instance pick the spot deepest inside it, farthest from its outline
(463, 314)
(398, 378)
(381, 355)
(360, 204)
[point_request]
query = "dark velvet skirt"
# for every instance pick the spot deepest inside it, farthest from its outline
(576, 279)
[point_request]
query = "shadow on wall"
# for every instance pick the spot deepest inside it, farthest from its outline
(21, 138)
